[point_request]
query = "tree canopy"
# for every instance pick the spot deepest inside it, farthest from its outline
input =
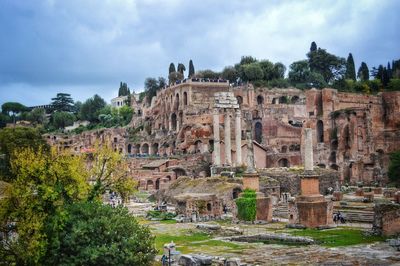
(350, 68)
(123, 89)
(63, 102)
(191, 69)
(91, 107)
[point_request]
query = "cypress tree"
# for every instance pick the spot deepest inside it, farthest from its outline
(191, 69)
(171, 68)
(313, 47)
(350, 68)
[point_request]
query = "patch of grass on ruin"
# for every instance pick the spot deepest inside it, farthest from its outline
(168, 221)
(337, 237)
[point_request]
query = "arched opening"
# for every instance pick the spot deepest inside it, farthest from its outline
(260, 100)
(321, 165)
(185, 100)
(284, 149)
(154, 148)
(320, 131)
(332, 157)
(209, 207)
(168, 177)
(145, 149)
(129, 148)
(239, 99)
(283, 162)
(158, 183)
(149, 184)
(177, 101)
(174, 121)
(198, 145)
(335, 167)
(115, 140)
(236, 192)
(274, 101)
(295, 99)
(334, 145)
(346, 137)
(136, 149)
(179, 172)
(258, 132)
(282, 99)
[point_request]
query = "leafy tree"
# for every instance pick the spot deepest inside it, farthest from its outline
(174, 77)
(152, 85)
(381, 73)
(91, 107)
(301, 76)
(63, 103)
(253, 71)
(191, 69)
(267, 68)
(279, 71)
(331, 67)
(363, 72)
(394, 85)
(313, 47)
(350, 68)
(37, 116)
(12, 109)
(62, 119)
(394, 168)
(77, 109)
(12, 139)
(44, 183)
(247, 205)
(161, 82)
(4, 119)
(126, 114)
(97, 234)
(207, 74)
(171, 68)
(230, 73)
(181, 68)
(109, 171)
(247, 60)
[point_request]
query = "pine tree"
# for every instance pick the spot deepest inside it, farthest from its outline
(171, 68)
(191, 69)
(181, 68)
(313, 47)
(363, 72)
(350, 68)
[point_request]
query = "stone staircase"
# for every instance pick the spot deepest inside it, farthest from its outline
(281, 210)
(361, 216)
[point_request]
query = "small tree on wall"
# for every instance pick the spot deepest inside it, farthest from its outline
(247, 205)
(394, 168)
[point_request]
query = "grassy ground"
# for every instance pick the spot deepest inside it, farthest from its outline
(337, 237)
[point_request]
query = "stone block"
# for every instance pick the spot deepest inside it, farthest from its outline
(264, 209)
(378, 190)
(360, 192)
(337, 196)
(251, 181)
(369, 196)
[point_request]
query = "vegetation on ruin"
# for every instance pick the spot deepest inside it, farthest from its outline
(247, 205)
(160, 215)
(394, 168)
(49, 210)
(338, 237)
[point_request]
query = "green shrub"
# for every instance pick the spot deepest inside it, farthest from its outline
(247, 205)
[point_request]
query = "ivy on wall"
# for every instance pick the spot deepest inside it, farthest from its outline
(247, 205)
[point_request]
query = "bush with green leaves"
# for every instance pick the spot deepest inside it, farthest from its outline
(247, 205)
(394, 168)
(159, 215)
(97, 234)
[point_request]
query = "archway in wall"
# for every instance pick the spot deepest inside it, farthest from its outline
(149, 184)
(236, 192)
(168, 177)
(332, 157)
(274, 101)
(144, 149)
(179, 172)
(321, 165)
(198, 145)
(320, 131)
(174, 121)
(260, 100)
(284, 149)
(283, 162)
(185, 100)
(295, 99)
(239, 100)
(154, 148)
(282, 99)
(335, 167)
(158, 184)
(136, 149)
(177, 101)
(334, 145)
(129, 148)
(258, 132)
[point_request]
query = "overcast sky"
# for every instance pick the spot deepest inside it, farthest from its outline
(88, 47)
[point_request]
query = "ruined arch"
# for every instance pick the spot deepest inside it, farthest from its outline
(129, 148)
(179, 172)
(334, 167)
(334, 145)
(236, 192)
(198, 145)
(295, 99)
(282, 99)
(239, 99)
(149, 184)
(260, 100)
(154, 148)
(284, 149)
(258, 132)
(174, 121)
(144, 149)
(177, 101)
(168, 177)
(136, 149)
(274, 101)
(320, 131)
(332, 157)
(283, 162)
(158, 184)
(321, 165)
(185, 98)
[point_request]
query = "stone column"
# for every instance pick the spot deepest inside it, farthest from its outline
(170, 123)
(227, 139)
(238, 137)
(308, 150)
(217, 147)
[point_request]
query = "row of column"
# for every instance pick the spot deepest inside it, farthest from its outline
(227, 138)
